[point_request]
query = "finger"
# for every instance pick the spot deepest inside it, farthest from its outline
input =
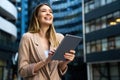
(69, 56)
(51, 53)
(72, 51)
(54, 49)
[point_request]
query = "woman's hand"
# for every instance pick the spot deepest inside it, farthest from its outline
(70, 56)
(50, 54)
(42, 63)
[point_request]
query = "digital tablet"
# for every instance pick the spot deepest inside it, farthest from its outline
(70, 42)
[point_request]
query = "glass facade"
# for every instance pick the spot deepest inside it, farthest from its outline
(5, 39)
(68, 16)
(106, 71)
(101, 39)
(94, 4)
(103, 44)
(102, 22)
(8, 35)
(2, 66)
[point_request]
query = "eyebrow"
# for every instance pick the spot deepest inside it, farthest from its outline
(45, 9)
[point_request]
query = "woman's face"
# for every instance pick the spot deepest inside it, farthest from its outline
(45, 15)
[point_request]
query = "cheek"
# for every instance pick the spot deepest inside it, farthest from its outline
(40, 15)
(39, 18)
(52, 17)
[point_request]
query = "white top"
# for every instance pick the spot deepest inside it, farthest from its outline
(46, 53)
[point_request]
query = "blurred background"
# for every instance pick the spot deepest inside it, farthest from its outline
(97, 21)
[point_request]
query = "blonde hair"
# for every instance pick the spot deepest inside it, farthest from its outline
(34, 27)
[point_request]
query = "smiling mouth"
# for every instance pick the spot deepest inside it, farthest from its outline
(47, 18)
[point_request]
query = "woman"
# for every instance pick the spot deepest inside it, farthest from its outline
(37, 47)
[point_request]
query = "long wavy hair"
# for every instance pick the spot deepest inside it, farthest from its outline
(34, 27)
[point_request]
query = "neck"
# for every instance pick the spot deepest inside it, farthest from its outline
(43, 31)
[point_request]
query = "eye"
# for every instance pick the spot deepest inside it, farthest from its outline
(51, 12)
(43, 11)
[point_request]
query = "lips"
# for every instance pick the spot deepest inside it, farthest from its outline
(47, 18)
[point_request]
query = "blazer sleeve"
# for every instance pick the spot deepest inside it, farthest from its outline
(60, 71)
(25, 68)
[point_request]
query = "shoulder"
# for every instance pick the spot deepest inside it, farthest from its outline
(59, 36)
(27, 35)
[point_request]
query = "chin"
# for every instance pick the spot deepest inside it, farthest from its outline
(48, 23)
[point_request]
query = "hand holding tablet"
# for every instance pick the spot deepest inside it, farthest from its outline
(70, 42)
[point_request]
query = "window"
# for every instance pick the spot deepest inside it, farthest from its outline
(87, 28)
(98, 24)
(111, 43)
(86, 8)
(106, 71)
(92, 26)
(2, 66)
(100, 71)
(97, 3)
(6, 39)
(98, 45)
(114, 72)
(91, 5)
(109, 20)
(103, 22)
(88, 47)
(104, 45)
(109, 1)
(117, 42)
(103, 2)
(93, 46)
(95, 69)
(116, 14)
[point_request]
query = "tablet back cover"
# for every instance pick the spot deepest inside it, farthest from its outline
(69, 42)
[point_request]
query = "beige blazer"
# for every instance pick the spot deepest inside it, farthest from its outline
(31, 52)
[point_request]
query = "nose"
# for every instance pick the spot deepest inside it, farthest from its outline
(48, 13)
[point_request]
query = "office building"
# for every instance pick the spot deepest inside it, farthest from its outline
(22, 22)
(102, 39)
(8, 36)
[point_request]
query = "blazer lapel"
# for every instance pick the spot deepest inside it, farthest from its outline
(40, 52)
(39, 49)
